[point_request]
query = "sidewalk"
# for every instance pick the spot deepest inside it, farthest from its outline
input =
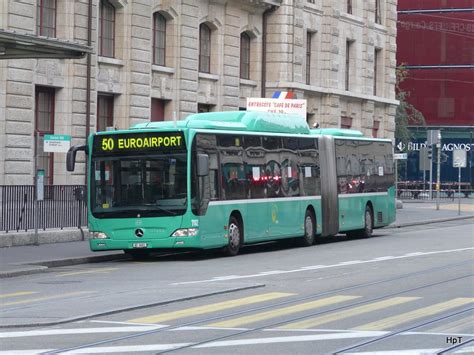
(415, 212)
(30, 259)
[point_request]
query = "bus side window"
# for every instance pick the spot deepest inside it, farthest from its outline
(310, 183)
(290, 167)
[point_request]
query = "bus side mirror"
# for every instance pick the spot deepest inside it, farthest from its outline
(202, 164)
(71, 156)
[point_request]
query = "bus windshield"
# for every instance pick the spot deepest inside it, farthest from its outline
(139, 185)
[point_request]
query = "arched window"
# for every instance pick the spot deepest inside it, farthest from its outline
(106, 29)
(244, 56)
(159, 39)
(204, 48)
(46, 18)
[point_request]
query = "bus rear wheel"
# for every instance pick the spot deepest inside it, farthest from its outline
(309, 230)
(368, 230)
(234, 237)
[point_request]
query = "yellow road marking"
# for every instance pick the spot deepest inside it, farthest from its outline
(210, 308)
(312, 322)
(413, 315)
(46, 298)
(237, 322)
(104, 270)
(16, 294)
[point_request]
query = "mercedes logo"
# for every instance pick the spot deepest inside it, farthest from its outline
(139, 232)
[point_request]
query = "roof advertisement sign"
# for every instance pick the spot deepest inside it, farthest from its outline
(294, 106)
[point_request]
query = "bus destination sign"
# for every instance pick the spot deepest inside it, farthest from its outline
(138, 142)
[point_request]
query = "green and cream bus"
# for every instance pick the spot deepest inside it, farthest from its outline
(226, 179)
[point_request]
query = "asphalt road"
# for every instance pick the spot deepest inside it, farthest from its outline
(405, 291)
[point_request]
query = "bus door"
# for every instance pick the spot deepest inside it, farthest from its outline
(329, 197)
(281, 185)
(258, 216)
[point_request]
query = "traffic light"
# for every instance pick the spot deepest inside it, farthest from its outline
(444, 157)
(430, 152)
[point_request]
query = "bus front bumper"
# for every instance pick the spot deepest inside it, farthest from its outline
(171, 243)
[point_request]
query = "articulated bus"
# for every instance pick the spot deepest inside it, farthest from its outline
(225, 179)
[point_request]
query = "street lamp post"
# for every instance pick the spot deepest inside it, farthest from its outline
(438, 170)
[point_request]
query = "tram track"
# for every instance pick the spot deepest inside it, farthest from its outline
(401, 331)
(279, 304)
(319, 313)
(456, 346)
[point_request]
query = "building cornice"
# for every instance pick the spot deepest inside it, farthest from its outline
(14, 45)
(330, 91)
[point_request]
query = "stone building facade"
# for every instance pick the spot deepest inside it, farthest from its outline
(163, 59)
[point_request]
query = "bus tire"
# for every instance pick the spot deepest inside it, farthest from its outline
(234, 237)
(368, 230)
(309, 230)
(137, 254)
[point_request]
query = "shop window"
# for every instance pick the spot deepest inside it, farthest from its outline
(105, 112)
(158, 109)
(346, 122)
(44, 124)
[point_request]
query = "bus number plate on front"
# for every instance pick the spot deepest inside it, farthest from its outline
(139, 245)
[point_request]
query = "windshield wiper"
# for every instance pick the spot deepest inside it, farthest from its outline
(173, 213)
(132, 212)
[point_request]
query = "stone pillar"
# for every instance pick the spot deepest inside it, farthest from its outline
(332, 62)
(280, 47)
(187, 63)
(230, 77)
(330, 111)
(367, 119)
(3, 97)
(139, 46)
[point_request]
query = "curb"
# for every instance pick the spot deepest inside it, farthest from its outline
(441, 202)
(21, 238)
(24, 269)
(44, 266)
(429, 221)
(133, 308)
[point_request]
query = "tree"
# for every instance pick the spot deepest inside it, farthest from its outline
(406, 113)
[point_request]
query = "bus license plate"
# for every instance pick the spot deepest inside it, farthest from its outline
(139, 245)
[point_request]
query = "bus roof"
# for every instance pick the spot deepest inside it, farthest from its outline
(247, 121)
(338, 132)
(238, 121)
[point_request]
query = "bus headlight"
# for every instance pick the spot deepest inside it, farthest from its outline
(185, 232)
(99, 235)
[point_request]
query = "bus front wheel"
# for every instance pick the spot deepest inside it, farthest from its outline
(234, 237)
(309, 230)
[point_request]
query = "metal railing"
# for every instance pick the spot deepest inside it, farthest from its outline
(63, 206)
(413, 194)
(419, 190)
